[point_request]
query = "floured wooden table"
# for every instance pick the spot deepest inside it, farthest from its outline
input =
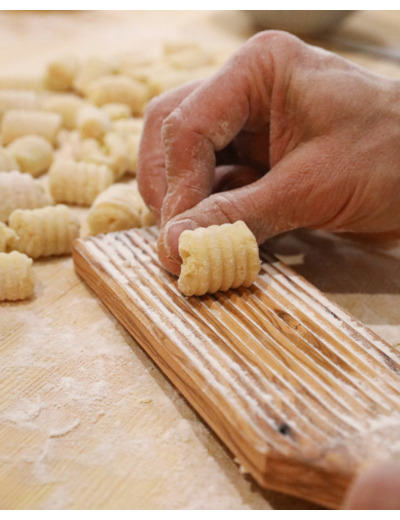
(86, 419)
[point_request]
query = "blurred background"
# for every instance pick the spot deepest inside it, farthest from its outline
(30, 39)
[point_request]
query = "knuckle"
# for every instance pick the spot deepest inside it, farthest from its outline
(279, 41)
(223, 207)
(171, 124)
(273, 37)
(154, 106)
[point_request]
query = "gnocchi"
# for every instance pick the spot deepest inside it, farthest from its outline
(67, 106)
(46, 231)
(33, 154)
(117, 111)
(119, 207)
(19, 190)
(92, 122)
(60, 73)
(78, 182)
(118, 89)
(7, 161)
(17, 123)
(16, 276)
(89, 70)
(8, 238)
(17, 99)
(217, 258)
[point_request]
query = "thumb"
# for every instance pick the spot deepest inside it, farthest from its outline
(290, 196)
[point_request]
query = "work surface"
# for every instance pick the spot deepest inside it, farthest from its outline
(86, 419)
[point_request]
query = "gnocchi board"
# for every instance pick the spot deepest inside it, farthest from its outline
(302, 394)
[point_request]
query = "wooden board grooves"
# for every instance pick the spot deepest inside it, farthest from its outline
(272, 368)
(302, 393)
(351, 339)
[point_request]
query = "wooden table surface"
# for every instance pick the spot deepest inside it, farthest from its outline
(86, 419)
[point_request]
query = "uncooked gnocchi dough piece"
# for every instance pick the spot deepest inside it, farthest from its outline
(124, 127)
(21, 81)
(17, 123)
(119, 207)
(133, 143)
(186, 56)
(117, 150)
(46, 231)
(217, 258)
(17, 99)
(7, 161)
(89, 70)
(173, 46)
(90, 150)
(92, 122)
(20, 190)
(67, 106)
(78, 182)
(16, 276)
(60, 73)
(172, 78)
(117, 111)
(33, 153)
(69, 145)
(145, 73)
(118, 89)
(8, 238)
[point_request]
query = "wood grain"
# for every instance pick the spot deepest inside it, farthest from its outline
(301, 393)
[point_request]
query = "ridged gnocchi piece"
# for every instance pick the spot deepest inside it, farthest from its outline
(133, 143)
(20, 190)
(189, 58)
(17, 99)
(16, 276)
(78, 182)
(118, 89)
(89, 70)
(118, 156)
(92, 122)
(123, 149)
(46, 231)
(68, 145)
(21, 81)
(173, 46)
(173, 78)
(146, 72)
(90, 150)
(17, 123)
(67, 106)
(119, 207)
(8, 238)
(7, 161)
(133, 125)
(33, 154)
(60, 73)
(117, 111)
(130, 60)
(217, 258)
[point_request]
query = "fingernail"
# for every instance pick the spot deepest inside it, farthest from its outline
(172, 232)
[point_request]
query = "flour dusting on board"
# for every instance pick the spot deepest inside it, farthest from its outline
(86, 405)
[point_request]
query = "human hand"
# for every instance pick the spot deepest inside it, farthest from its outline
(378, 488)
(326, 131)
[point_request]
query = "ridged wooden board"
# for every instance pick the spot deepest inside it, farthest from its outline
(302, 394)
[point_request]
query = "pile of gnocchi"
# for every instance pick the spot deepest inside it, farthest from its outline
(72, 138)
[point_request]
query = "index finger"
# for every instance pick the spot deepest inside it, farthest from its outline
(151, 175)
(236, 97)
